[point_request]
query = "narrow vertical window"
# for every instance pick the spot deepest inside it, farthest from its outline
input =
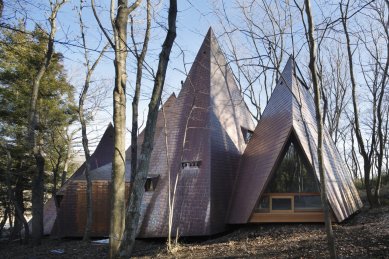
(151, 183)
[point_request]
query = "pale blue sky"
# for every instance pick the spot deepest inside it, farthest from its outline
(193, 21)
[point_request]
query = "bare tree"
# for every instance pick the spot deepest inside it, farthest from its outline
(382, 78)
(56, 160)
(255, 47)
(333, 74)
(119, 27)
(34, 143)
(140, 57)
(83, 120)
(69, 142)
(375, 77)
(140, 175)
(319, 121)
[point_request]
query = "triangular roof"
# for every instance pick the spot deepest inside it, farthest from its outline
(204, 125)
(103, 153)
(101, 156)
(290, 109)
(105, 172)
(167, 105)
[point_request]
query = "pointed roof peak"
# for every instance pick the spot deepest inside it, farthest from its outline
(287, 76)
(290, 109)
(210, 31)
(210, 37)
(291, 61)
(290, 65)
(170, 100)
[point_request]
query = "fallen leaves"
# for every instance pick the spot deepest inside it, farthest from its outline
(365, 235)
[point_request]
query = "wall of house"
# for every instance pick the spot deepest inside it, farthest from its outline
(229, 115)
(71, 217)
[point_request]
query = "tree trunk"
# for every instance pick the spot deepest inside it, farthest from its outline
(17, 202)
(380, 117)
(319, 121)
(66, 163)
(139, 71)
(362, 150)
(119, 26)
(89, 208)
(37, 181)
(19, 211)
(5, 217)
(137, 187)
(37, 199)
(119, 120)
(81, 113)
(55, 177)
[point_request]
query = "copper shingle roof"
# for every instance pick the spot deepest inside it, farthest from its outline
(203, 125)
(290, 108)
(101, 156)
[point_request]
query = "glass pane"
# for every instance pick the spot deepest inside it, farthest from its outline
(293, 174)
(281, 203)
(307, 202)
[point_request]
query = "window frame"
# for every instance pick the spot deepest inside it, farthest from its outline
(289, 197)
(151, 181)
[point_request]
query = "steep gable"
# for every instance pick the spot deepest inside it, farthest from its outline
(204, 128)
(199, 148)
(290, 109)
(263, 151)
(101, 156)
(341, 192)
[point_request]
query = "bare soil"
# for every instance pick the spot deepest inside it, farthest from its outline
(365, 235)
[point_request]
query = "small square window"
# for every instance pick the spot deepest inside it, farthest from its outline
(151, 183)
(281, 203)
(191, 164)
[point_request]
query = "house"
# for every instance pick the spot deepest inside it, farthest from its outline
(227, 171)
(101, 156)
(278, 177)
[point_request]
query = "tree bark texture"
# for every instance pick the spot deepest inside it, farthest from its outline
(37, 180)
(319, 121)
(17, 201)
(140, 175)
(139, 71)
(81, 113)
(67, 161)
(119, 118)
(89, 217)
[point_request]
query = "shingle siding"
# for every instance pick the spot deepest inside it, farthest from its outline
(290, 108)
(260, 155)
(204, 123)
(101, 156)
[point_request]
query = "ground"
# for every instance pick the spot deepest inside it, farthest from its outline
(365, 235)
